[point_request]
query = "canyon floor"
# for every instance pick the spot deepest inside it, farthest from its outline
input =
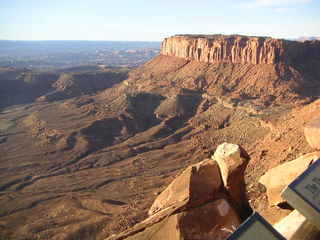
(85, 165)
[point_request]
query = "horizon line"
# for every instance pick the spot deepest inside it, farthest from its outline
(79, 40)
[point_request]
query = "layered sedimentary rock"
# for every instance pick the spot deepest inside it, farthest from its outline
(236, 49)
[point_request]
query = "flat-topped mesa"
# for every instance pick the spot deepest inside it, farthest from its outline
(229, 49)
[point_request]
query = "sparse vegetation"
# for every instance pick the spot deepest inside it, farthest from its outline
(87, 156)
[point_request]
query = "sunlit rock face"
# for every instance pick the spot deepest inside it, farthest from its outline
(236, 49)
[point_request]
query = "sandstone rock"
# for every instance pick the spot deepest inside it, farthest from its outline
(196, 185)
(212, 221)
(312, 133)
(232, 160)
(215, 220)
(148, 223)
(238, 49)
(216, 49)
(295, 227)
(278, 178)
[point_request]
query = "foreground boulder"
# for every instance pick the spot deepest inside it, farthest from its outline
(312, 133)
(194, 186)
(196, 205)
(232, 161)
(278, 178)
(212, 221)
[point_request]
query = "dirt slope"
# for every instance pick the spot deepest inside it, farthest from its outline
(90, 166)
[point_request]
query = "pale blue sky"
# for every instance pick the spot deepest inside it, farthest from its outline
(153, 20)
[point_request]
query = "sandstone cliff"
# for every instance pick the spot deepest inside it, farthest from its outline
(237, 49)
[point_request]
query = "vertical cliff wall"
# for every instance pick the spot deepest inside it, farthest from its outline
(235, 49)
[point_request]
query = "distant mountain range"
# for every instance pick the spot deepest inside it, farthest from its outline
(62, 54)
(302, 39)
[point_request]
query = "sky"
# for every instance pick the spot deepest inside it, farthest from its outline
(153, 20)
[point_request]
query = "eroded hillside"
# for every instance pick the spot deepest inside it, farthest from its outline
(91, 164)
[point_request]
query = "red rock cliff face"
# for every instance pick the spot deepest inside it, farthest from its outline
(230, 49)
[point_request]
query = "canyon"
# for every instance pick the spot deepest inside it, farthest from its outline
(85, 154)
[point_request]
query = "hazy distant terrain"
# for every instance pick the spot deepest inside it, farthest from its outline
(64, 54)
(307, 38)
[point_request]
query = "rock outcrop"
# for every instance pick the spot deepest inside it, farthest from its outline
(278, 178)
(195, 205)
(232, 161)
(195, 186)
(237, 49)
(212, 221)
(312, 132)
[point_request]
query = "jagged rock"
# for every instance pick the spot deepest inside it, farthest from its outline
(295, 227)
(312, 133)
(212, 221)
(232, 160)
(238, 49)
(278, 178)
(196, 185)
(148, 223)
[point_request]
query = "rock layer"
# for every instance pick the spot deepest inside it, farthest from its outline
(235, 49)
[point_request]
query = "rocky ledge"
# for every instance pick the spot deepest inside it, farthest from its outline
(238, 49)
(201, 203)
(208, 200)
